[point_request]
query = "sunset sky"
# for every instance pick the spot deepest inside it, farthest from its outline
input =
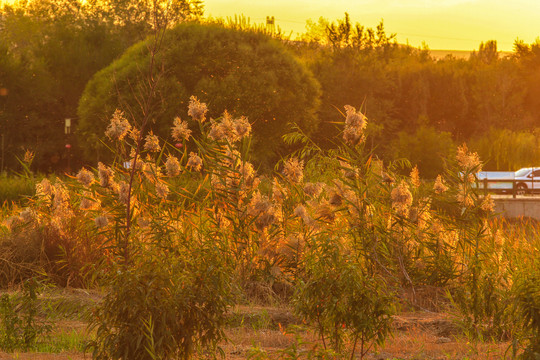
(442, 24)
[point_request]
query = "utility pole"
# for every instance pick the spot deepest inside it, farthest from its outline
(3, 92)
(270, 24)
(67, 131)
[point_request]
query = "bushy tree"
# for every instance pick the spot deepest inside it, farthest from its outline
(509, 150)
(245, 73)
(25, 95)
(426, 148)
(53, 50)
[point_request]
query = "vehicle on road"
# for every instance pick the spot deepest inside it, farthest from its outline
(527, 180)
(500, 182)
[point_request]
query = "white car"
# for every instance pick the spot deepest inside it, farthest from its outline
(496, 181)
(527, 180)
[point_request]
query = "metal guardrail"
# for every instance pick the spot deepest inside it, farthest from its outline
(485, 182)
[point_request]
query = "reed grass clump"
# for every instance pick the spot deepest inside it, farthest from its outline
(188, 230)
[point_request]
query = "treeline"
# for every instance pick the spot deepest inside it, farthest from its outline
(418, 107)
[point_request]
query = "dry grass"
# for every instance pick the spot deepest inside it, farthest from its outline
(280, 236)
(417, 335)
(422, 343)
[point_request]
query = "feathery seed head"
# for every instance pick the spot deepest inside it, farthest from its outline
(152, 143)
(172, 165)
(197, 110)
(88, 202)
(242, 126)
(439, 186)
(294, 170)
(325, 211)
(105, 175)
(262, 209)
(28, 215)
(61, 196)
(162, 190)
(355, 124)
(123, 192)
(118, 127)
(488, 205)
(101, 221)
(355, 118)
(313, 189)
(135, 134)
(28, 156)
(85, 177)
(180, 131)
(151, 170)
(224, 129)
(194, 162)
(44, 189)
(401, 198)
(468, 161)
(415, 177)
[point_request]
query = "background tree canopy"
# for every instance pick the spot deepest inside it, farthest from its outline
(243, 72)
(49, 49)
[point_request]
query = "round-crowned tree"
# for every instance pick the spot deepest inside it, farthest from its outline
(244, 72)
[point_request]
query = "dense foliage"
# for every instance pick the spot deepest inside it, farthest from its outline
(48, 52)
(50, 49)
(406, 89)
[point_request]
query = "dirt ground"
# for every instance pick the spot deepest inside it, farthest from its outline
(417, 335)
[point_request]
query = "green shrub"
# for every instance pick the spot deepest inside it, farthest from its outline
(527, 292)
(245, 73)
(20, 327)
(163, 307)
(341, 301)
(14, 188)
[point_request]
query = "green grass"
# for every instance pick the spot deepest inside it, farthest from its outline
(73, 340)
(63, 315)
(67, 305)
(14, 189)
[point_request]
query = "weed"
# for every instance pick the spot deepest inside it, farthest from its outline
(20, 326)
(163, 307)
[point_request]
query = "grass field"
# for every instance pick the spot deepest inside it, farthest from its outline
(253, 329)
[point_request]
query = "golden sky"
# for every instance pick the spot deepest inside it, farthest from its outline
(442, 24)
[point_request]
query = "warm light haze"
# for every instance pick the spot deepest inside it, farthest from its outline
(441, 24)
